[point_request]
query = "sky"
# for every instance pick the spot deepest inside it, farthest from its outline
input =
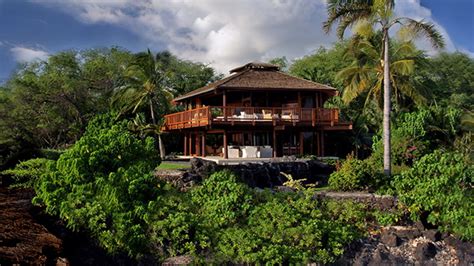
(222, 33)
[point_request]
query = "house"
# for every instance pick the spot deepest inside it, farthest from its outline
(256, 112)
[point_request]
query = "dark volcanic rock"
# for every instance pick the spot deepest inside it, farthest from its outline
(265, 174)
(433, 235)
(425, 251)
(390, 239)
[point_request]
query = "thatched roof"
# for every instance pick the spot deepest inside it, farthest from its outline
(259, 76)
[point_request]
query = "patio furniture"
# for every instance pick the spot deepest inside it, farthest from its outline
(265, 152)
(249, 152)
(232, 152)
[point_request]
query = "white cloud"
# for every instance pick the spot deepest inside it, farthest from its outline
(23, 54)
(225, 33)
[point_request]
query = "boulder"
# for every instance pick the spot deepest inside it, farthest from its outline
(389, 238)
(425, 251)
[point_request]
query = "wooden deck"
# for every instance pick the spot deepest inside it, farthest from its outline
(232, 115)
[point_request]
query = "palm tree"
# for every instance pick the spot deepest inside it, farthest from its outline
(365, 75)
(143, 87)
(379, 13)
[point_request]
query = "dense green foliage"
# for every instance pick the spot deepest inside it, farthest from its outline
(47, 104)
(355, 174)
(291, 229)
(441, 184)
(101, 180)
(222, 200)
(27, 174)
(104, 184)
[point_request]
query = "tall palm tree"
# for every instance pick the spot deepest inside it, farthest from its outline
(347, 13)
(144, 87)
(364, 76)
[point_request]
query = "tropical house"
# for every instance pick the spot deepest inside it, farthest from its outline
(256, 112)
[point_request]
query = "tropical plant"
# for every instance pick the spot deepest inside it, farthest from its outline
(365, 75)
(27, 174)
(104, 184)
(144, 86)
(441, 185)
(379, 12)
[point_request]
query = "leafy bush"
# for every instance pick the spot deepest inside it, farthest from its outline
(440, 184)
(221, 200)
(289, 228)
(26, 174)
(104, 183)
(355, 174)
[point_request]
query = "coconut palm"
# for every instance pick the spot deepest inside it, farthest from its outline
(364, 76)
(347, 13)
(144, 87)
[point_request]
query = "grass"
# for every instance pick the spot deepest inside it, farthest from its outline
(172, 166)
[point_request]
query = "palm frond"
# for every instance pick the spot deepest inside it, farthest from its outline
(346, 13)
(427, 29)
(403, 67)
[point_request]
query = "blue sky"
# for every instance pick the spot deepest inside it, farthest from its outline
(222, 33)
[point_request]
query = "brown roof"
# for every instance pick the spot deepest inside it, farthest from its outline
(256, 76)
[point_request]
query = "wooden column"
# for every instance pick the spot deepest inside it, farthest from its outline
(226, 154)
(190, 143)
(185, 144)
(322, 142)
(301, 143)
(299, 99)
(318, 144)
(203, 143)
(196, 144)
(274, 143)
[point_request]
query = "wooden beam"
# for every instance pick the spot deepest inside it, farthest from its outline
(318, 144)
(190, 143)
(322, 143)
(274, 143)
(185, 144)
(203, 143)
(197, 145)
(301, 143)
(226, 154)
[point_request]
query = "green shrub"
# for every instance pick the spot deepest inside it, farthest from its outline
(26, 174)
(51, 154)
(221, 200)
(289, 228)
(174, 226)
(355, 174)
(386, 218)
(440, 184)
(104, 184)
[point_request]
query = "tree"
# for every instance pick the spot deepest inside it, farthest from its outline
(144, 86)
(379, 12)
(364, 76)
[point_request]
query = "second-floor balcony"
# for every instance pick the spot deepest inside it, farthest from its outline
(208, 115)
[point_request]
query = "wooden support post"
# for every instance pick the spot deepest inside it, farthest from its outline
(318, 144)
(185, 144)
(274, 143)
(196, 144)
(226, 154)
(203, 143)
(322, 143)
(299, 100)
(301, 143)
(190, 143)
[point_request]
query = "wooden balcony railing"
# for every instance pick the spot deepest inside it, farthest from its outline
(204, 116)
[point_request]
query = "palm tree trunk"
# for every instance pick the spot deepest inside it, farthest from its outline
(386, 107)
(161, 146)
